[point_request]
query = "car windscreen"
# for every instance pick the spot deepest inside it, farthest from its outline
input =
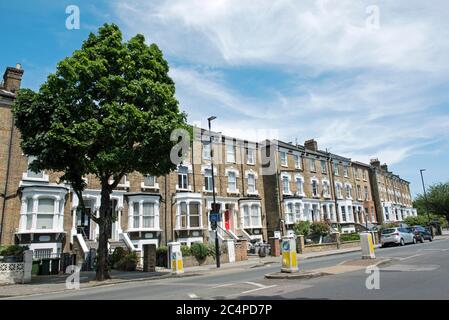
(388, 231)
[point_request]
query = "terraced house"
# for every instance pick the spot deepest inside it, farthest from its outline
(391, 194)
(303, 183)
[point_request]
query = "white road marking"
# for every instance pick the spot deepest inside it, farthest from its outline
(413, 256)
(192, 296)
(253, 290)
(223, 285)
(255, 284)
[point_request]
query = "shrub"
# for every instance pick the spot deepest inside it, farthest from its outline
(161, 257)
(12, 251)
(200, 251)
(418, 220)
(319, 228)
(302, 228)
(349, 237)
(161, 250)
(118, 254)
(389, 225)
(128, 262)
(185, 250)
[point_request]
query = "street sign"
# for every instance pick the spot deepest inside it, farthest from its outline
(214, 216)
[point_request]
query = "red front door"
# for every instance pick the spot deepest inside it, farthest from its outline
(226, 216)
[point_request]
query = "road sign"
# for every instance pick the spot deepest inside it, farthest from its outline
(214, 216)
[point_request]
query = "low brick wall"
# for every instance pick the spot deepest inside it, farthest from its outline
(241, 250)
(11, 273)
(349, 244)
(191, 261)
(330, 246)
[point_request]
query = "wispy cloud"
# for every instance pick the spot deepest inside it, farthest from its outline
(364, 92)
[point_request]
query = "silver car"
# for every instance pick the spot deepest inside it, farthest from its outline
(399, 236)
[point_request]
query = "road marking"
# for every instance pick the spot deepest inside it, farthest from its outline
(223, 285)
(193, 296)
(255, 284)
(257, 289)
(413, 256)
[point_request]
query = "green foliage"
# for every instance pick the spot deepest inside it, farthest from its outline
(185, 250)
(118, 254)
(200, 251)
(389, 225)
(108, 110)
(349, 237)
(302, 228)
(437, 199)
(162, 250)
(128, 262)
(319, 228)
(12, 251)
(418, 220)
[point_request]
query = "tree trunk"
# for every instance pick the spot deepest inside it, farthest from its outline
(105, 221)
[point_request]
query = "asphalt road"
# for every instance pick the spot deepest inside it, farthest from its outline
(418, 271)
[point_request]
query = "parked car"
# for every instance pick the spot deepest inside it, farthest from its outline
(421, 233)
(398, 236)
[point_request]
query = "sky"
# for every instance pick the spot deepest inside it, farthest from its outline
(366, 79)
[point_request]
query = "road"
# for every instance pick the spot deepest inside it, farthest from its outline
(418, 271)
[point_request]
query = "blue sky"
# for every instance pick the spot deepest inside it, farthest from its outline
(363, 84)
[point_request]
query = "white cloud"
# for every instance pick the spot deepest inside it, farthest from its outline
(362, 92)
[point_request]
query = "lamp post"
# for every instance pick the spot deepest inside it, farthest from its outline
(217, 245)
(425, 199)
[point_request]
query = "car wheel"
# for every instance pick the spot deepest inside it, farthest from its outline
(402, 243)
(422, 239)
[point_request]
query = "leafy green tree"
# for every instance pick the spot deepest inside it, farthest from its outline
(108, 110)
(302, 228)
(319, 228)
(437, 199)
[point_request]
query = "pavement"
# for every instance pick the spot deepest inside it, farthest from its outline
(244, 279)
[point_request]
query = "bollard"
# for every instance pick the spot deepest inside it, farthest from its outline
(289, 263)
(366, 241)
(175, 257)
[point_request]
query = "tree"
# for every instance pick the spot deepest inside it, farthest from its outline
(302, 228)
(108, 110)
(437, 199)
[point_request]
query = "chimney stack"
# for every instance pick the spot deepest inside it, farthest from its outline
(375, 163)
(12, 78)
(311, 145)
(384, 167)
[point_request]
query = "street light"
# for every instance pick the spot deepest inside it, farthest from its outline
(217, 245)
(425, 199)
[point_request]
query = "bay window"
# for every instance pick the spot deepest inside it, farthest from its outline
(194, 215)
(251, 216)
(45, 213)
(255, 215)
(148, 215)
(29, 216)
(189, 215)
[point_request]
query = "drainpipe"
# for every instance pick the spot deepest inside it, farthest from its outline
(7, 179)
(241, 168)
(166, 210)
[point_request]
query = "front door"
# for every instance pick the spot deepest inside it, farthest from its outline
(227, 219)
(83, 222)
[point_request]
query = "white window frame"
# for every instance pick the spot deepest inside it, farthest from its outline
(297, 159)
(315, 181)
(236, 175)
(250, 160)
(230, 153)
(312, 165)
(251, 187)
(299, 181)
(144, 186)
(206, 150)
(284, 160)
(187, 226)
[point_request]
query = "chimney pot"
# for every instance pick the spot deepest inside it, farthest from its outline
(12, 78)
